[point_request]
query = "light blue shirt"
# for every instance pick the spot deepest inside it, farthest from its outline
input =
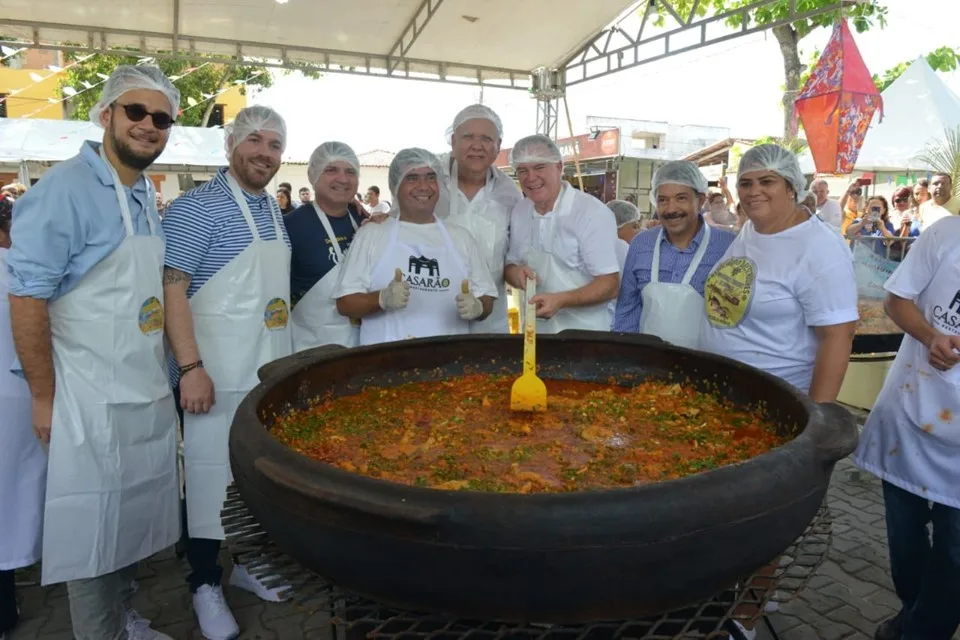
(68, 222)
(674, 262)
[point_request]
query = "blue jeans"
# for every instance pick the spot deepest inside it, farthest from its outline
(926, 574)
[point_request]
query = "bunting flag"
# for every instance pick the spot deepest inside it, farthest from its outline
(837, 104)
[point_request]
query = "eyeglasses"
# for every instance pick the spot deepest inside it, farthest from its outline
(857, 192)
(136, 112)
(901, 200)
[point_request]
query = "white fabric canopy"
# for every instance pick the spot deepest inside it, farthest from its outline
(33, 140)
(917, 107)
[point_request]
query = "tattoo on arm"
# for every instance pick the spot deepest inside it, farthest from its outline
(175, 276)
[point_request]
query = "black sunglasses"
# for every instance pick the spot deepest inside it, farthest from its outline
(136, 112)
(901, 200)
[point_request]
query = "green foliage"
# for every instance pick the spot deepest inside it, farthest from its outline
(861, 16)
(944, 59)
(944, 156)
(796, 145)
(198, 82)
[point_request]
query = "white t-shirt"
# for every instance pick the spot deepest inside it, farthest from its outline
(585, 239)
(766, 295)
(371, 241)
(931, 212)
(831, 213)
(382, 207)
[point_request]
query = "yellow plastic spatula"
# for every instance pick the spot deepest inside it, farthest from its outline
(528, 392)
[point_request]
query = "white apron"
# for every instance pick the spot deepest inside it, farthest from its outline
(315, 320)
(674, 311)
(555, 276)
(23, 464)
(240, 318)
(912, 436)
(491, 238)
(434, 285)
(112, 490)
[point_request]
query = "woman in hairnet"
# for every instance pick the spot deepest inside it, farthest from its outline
(479, 197)
(783, 299)
(320, 233)
(412, 276)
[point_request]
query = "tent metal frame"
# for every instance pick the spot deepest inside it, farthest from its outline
(611, 50)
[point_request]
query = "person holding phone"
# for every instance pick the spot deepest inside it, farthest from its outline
(850, 203)
(875, 223)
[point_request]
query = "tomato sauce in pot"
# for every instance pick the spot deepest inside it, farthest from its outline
(459, 434)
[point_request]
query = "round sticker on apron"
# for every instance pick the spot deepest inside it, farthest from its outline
(151, 316)
(729, 291)
(276, 314)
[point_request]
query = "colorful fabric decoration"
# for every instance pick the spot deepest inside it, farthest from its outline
(837, 104)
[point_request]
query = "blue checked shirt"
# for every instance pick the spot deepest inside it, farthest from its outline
(673, 266)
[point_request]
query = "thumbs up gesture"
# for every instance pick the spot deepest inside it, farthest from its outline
(468, 306)
(395, 295)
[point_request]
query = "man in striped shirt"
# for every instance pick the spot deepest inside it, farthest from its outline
(227, 294)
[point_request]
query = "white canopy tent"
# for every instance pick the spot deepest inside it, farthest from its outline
(537, 45)
(917, 107)
(50, 141)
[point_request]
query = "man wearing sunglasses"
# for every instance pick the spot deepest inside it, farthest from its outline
(85, 278)
(227, 290)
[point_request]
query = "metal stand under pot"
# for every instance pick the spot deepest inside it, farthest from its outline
(354, 617)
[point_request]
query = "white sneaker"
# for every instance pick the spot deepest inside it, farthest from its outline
(138, 628)
(215, 618)
(242, 579)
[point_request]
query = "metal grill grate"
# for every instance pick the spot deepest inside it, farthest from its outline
(356, 618)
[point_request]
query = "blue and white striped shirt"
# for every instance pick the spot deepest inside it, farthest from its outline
(205, 229)
(673, 266)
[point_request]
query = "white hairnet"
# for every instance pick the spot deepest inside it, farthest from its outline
(536, 148)
(475, 112)
(681, 172)
(625, 212)
(127, 77)
(250, 120)
(406, 161)
(783, 162)
(328, 153)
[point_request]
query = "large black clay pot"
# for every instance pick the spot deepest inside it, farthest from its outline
(573, 557)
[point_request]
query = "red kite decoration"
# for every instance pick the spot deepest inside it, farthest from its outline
(837, 104)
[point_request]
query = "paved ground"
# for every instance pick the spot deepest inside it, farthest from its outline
(849, 596)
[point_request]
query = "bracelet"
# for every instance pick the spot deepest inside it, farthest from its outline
(190, 367)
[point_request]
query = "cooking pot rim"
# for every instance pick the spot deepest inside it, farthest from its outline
(323, 473)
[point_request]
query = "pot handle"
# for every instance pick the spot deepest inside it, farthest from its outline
(386, 510)
(834, 431)
(289, 364)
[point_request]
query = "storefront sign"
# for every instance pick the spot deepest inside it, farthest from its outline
(605, 145)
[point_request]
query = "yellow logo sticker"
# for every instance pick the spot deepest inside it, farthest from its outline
(276, 315)
(729, 291)
(151, 316)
